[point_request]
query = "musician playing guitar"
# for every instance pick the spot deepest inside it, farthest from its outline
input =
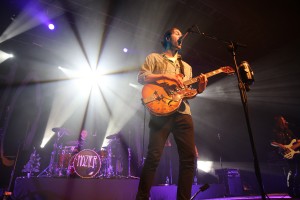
(169, 66)
(167, 81)
(285, 139)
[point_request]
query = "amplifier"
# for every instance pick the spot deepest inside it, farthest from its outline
(232, 181)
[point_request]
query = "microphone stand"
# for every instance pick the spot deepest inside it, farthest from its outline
(232, 46)
(201, 189)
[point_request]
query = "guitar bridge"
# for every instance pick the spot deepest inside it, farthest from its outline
(154, 97)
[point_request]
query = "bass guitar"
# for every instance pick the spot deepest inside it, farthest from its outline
(289, 149)
(164, 97)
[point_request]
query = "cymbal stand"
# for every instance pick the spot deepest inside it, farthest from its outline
(129, 164)
(129, 160)
(109, 170)
(51, 168)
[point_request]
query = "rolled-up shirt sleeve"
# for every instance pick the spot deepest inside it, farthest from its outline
(145, 70)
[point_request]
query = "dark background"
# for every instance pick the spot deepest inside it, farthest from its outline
(95, 32)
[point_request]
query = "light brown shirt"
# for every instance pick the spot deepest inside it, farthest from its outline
(159, 64)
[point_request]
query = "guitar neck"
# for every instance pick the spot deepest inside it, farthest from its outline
(295, 146)
(196, 79)
(275, 144)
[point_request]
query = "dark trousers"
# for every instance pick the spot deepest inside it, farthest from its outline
(182, 129)
(293, 177)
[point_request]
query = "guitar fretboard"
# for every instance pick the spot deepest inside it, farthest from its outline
(209, 74)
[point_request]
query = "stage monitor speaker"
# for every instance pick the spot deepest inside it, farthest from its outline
(231, 179)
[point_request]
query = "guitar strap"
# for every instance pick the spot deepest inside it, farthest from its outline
(181, 66)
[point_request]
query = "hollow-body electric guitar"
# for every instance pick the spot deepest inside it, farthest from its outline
(289, 149)
(164, 97)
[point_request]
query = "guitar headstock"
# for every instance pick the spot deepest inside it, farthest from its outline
(228, 70)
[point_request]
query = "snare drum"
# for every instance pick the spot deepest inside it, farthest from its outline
(85, 164)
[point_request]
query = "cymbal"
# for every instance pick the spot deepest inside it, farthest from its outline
(113, 136)
(69, 148)
(56, 129)
(60, 130)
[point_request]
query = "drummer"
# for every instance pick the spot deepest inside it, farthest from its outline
(83, 141)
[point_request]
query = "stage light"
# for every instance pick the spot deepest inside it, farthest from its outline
(51, 26)
(125, 50)
(205, 166)
(4, 56)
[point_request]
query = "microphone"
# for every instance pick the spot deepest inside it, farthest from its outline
(189, 30)
(182, 37)
(247, 74)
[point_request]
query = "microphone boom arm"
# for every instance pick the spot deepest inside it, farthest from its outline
(228, 43)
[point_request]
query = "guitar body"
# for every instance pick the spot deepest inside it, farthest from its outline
(164, 97)
(289, 149)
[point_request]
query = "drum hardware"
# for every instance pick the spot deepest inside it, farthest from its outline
(72, 143)
(51, 169)
(115, 163)
(129, 164)
(61, 131)
(129, 159)
(113, 136)
(64, 156)
(112, 168)
(103, 154)
(109, 168)
(114, 158)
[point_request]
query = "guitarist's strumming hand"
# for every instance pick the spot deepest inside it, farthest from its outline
(178, 78)
(202, 83)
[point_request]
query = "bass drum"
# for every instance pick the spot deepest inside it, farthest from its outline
(86, 164)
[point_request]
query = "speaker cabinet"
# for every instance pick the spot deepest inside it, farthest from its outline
(231, 179)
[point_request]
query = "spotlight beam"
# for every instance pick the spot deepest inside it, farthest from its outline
(75, 30)
(26, 20)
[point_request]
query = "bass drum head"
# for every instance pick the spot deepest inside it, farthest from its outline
(85, 164)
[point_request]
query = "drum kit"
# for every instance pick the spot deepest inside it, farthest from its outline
(67, 161)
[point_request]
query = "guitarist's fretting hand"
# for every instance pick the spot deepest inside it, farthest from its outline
(202, 83)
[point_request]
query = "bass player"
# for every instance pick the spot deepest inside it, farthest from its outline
(289, 145)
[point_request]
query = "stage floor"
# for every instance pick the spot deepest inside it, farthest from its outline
(49, 188)
(269, 196)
